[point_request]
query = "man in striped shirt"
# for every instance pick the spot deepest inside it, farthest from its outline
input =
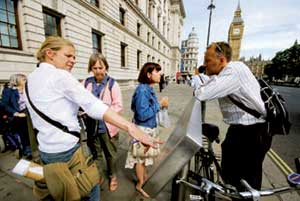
(247, 139)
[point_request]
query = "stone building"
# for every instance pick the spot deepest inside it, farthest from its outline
(128, 32)
(257, 65)
(189, 53)
(235, 33)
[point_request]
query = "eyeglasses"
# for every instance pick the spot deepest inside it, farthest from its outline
(218, 47)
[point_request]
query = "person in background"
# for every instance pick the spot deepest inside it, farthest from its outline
(105, 137)
(247, 140)
(199, 79)
(14, 104)
(161, 82)
(145, 107)
(56, 93)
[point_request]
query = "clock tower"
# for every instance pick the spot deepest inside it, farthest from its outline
(235, 33)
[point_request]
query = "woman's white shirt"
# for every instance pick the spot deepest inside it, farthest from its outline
(57, 94)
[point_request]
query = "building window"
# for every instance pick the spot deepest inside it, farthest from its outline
(137, 2)
(122, 15)
(51, 23)
(95, 2)
(97, 41)
(9, 29)
(158, 45)
(149, 10)
(158, 22)
(148, 37)
(153, 59)
(138, 59)
(153, 38)
(123, 55)
(138, 29)
(148, 58)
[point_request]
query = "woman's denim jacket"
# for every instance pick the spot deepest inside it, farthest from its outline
(145, 106)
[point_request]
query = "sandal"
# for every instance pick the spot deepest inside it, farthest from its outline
(113, 184)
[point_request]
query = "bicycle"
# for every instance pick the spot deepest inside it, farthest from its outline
(208, 186)
(205, 160)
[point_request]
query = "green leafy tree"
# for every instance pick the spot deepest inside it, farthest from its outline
(285, 62)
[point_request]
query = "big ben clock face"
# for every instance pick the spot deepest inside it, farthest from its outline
(236, 31)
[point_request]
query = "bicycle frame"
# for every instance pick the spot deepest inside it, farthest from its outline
(206, 162)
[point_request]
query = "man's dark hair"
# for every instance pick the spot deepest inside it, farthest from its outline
(222, 48)
(147, 68)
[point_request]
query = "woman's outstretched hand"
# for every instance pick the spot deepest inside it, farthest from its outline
(117, 120)
(139, 135)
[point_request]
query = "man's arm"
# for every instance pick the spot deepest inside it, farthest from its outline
(218, 86)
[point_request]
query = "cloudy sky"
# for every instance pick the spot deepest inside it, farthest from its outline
(270, 25)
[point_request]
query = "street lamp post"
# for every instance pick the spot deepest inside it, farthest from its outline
(210, 8)
(178, 191)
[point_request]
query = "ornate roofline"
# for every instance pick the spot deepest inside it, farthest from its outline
(182, 10)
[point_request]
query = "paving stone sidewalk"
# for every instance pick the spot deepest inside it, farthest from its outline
(179, 96)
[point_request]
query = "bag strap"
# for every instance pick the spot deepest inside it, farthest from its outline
(200, 78)
(47, 119)
(110, 82)
(245, 108)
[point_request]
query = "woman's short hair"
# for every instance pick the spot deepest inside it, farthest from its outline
(15, 80)
(97, 57)
(147, 68)
(54, 43)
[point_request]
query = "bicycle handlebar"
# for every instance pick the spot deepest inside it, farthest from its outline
(268, 192)
(207, 186)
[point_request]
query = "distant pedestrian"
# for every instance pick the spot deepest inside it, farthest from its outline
(167, 78)
(247, 140)
(14, 105)
(102, 136)
(199, 79)
(161, 82)
(145, 107)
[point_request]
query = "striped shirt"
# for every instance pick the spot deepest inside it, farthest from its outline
(198, 80)
(235, 80)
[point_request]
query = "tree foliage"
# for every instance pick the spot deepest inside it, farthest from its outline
(286, 62)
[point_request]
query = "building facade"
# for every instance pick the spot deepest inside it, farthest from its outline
(190, 51)
(235, 33)
(257, 65)
(128, 32)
